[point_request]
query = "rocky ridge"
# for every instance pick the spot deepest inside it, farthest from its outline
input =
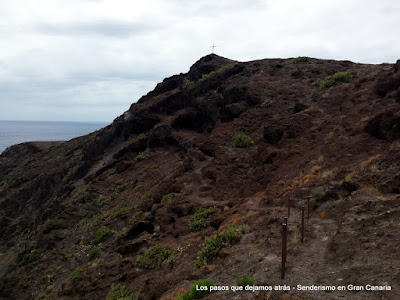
(140, 180)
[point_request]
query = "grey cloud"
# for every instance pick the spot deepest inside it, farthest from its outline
(109, 28)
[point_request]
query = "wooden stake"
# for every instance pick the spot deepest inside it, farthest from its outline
(302, 224)
(284, 248)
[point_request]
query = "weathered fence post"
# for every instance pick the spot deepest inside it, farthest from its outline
(284, 248)
(288, 207)
(302, 224)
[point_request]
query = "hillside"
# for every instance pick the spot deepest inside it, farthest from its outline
(76, 217)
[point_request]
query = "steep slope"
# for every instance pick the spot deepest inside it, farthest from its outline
(75, 217)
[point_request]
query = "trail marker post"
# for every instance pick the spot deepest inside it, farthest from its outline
(284, 248)
(302, 224)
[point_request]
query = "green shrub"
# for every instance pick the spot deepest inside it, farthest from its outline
(92, 254)
(185, 296)
(187, 85)
(121, 292)
(102, 234)
(152, 256)
(120, 210)
(243, 281)
(199, 220)
(137, 188)
(212, 245)
(195, 294)
(122, 188)
(168, 197)
(335, 78)
(317, 191)
(148, 195)
(143, 155)
(300, 59)
(110, 171)
(139, 216)
(32, 256)
(242, 140)
(75, 273)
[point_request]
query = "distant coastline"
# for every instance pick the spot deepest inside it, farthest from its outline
(16, 132)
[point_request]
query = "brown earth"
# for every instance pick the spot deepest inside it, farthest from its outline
(339, 144)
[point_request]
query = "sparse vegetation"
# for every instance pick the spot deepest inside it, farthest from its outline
(121, 292)
(300, 59)
(92, 254)
(317, 191)
(152, 256)
(102, 234)
(242, 140)
(168, 197)
(139, 216)
(110, 171)
(327, 174)
(32, 256)
(188, 84)
(120, 210)
(213, 245)
(266, 103)
(148, 196)
(75, 273)
(218, 71)
(199, 220)
(194, 293)
(334, 79)
(143, 155)
(243, 281)
(122, 188)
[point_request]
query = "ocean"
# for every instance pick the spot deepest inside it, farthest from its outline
(16, 132)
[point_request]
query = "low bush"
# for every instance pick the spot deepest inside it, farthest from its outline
(102, 234)
(75, 273)
(32, 256)
(195, 293)
(317, 191)
(143, 155)
(121, 292)
(122, 188)
(139, 216)
(168, 197)
(152, 256)
(243, 281)
(213, 245)
(199, 220)
(335, 78)
(242, 140)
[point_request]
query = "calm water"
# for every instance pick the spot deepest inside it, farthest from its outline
(15, 132)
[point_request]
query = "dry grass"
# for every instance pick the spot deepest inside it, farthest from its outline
(260, 194)
(366, 163)
(175, 293)
(350, 175)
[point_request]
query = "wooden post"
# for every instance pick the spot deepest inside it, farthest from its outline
(288, 207)
(302, 224)
(284, 248)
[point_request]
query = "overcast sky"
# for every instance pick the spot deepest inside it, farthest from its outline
(88, 60)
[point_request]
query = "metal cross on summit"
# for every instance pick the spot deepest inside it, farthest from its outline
(212, 48)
